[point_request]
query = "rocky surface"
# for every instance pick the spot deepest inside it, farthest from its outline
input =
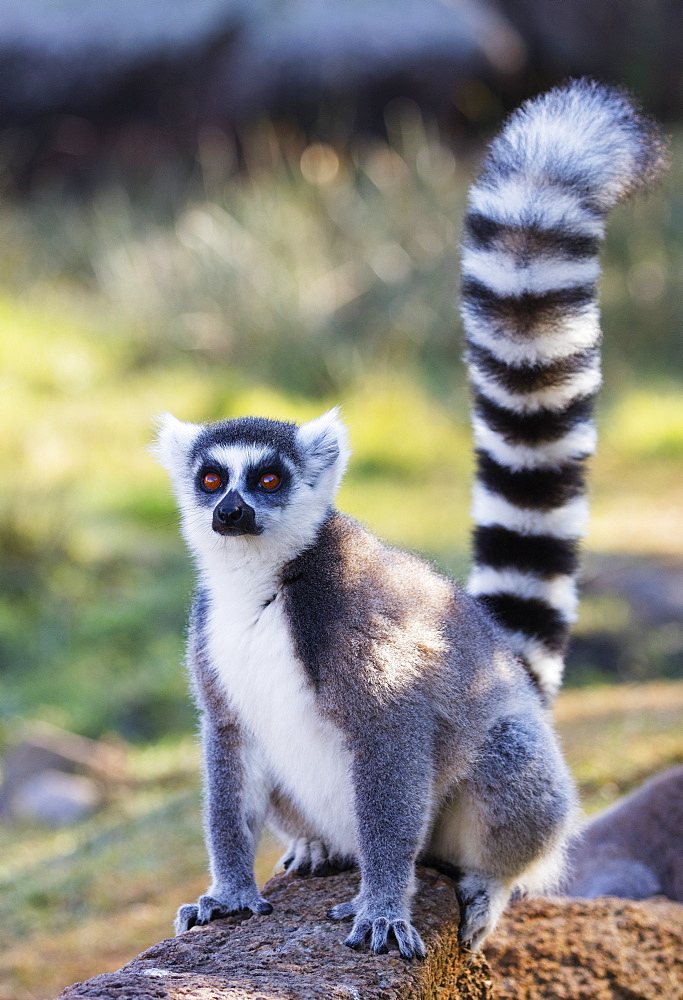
(580, 949)
(296, 952)
(561, 949)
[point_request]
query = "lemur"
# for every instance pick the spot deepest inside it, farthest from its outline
(634, 848)
(369, 710)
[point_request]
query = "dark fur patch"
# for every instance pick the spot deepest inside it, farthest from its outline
(314, 597)
(529, 239)
(279, 435)
(520, 316)
(533, 428)
(530, 377)
(542, 555)
(200, 612)
(348, 599)
(271, 462)
(510, 747)
(531, 616)
(532, 489)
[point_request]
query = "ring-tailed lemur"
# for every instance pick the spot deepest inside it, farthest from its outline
(362, 705)
(634, 848)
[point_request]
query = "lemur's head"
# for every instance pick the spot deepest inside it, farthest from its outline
(265, 482)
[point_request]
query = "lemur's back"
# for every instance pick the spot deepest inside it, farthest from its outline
(634, 848)
(364, 613)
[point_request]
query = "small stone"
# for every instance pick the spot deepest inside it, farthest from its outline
(55, 798)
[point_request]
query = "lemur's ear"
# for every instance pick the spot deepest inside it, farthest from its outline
(173, 442)
(324, 444)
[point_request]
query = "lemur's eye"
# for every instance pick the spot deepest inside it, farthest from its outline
(269, 481)
(211, 481)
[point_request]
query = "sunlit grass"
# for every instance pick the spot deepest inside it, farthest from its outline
(615, 737)
(637, 499)
(647, 426)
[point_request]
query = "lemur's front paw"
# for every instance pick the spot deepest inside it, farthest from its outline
(379, 927)
(311, 857)
(208, 908)
(482, 899)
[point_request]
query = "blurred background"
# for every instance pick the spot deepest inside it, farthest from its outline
(232, 207)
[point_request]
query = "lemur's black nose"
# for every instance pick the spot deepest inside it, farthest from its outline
(233, 516)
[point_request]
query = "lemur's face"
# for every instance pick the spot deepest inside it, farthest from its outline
(253, 479)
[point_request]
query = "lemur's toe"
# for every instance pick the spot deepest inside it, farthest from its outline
(381, 930)
(186, 917)
(358, 934)
(342, 911)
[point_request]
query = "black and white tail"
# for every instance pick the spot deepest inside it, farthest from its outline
(533, 232)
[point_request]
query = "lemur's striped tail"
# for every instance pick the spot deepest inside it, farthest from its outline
(533, 231)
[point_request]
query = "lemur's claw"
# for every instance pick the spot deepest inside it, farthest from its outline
(311, 857)
(186, 917)
(360, 931)
(263, 906)
(208, 908)
(409, 942)
(380, 929)
(342, 911)
(481, 902)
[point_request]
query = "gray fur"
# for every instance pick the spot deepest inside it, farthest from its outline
(634, 849)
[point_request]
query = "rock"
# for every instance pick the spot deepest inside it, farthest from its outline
(232, 57)
(597, 949)
(296, 953)
(76, 54)
(56, 799)
(562, 949)
(83, 83)
(55, 777)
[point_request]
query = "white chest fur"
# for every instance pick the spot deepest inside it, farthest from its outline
(302, 751)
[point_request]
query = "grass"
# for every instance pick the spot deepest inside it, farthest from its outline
(615, 737)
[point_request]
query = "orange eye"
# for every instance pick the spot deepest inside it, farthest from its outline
(269, 481)
(211, 481)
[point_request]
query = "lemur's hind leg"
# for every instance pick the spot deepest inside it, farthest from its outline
(306, 856)
(306, 853)
(505, 823)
